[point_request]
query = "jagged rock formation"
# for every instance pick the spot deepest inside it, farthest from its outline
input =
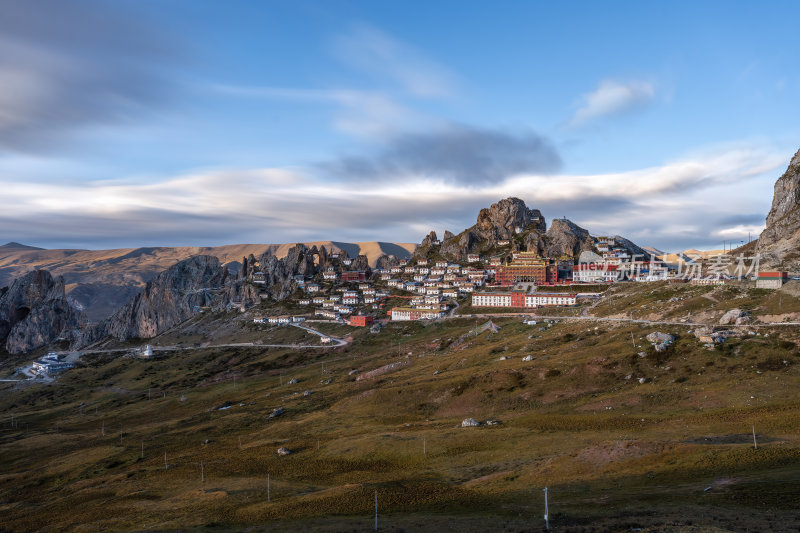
(99, 282)
(387, 261)
(505, 220)
(566, 239)
(34, 312)
(779, 243)
(634, 249)
(170, 298)
(524, 229)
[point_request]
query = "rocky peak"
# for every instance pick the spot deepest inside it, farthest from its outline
(34, 312)
(429, 240)
(566, 239)
(506, 218)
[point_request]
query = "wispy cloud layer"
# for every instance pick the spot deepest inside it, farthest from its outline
(666, 206)
(612, 98)
(385, 58)
(67, 65)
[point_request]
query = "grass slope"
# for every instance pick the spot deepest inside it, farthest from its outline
(622, 436)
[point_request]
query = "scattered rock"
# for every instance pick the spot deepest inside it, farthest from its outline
(294, 381)
(492, 422)
(352, 372)
(276, 412)
(469, 422)
(436, 373)
(528, 358)
(284, 451)
(307, 393)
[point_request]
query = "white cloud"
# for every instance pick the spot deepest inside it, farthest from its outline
(613, 98)
(740, 231)
(692, 202)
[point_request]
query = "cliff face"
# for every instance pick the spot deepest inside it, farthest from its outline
(779, 243)
(34, 312)
(170, 298)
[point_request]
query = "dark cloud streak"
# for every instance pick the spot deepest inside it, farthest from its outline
(456, 154)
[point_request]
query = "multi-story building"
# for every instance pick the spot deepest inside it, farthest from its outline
(521, 299)
(409, 313)
(354, 275)
(361, 320)
(526, 267)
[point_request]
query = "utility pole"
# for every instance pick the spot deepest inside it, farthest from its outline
(546, 512)
(633, 342)
(268, 495)
(202, 473)
(165, 460)
(103, 428)
(755, 444)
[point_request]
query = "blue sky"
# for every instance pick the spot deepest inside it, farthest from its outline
(141, 123)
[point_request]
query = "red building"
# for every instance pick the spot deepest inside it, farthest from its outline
(362, 320)
(354, 275)
(527, 267)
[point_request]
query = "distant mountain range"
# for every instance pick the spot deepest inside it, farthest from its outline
(99, 282)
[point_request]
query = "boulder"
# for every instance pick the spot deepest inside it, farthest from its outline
(732, 317)
(657, 336)
(284, 451)
(469, 422)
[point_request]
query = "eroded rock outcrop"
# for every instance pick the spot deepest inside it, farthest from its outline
(168, 299)
(566, 239)
(34, 312)
(779, 243)
(501, 221)
(511, 223)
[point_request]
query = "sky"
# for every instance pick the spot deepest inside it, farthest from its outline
(187, 123)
